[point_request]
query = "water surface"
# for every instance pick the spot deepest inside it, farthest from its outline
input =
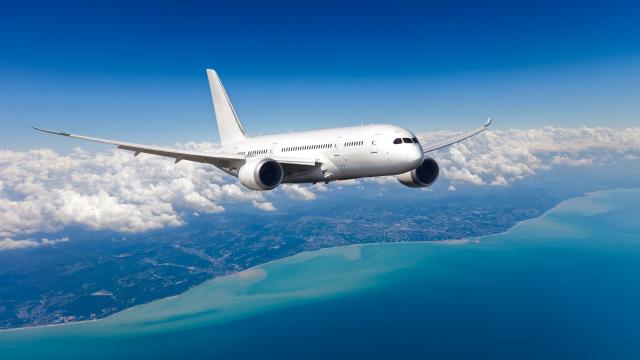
(564, 285)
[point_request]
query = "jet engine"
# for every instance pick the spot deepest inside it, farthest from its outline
(261, 174)
(423, 176)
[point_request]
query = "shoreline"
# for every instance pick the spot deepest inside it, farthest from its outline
(463, 241)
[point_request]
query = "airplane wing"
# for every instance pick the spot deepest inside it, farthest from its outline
(456, 139)
(221, 160)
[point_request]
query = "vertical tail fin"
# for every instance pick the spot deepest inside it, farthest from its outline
(229, 126)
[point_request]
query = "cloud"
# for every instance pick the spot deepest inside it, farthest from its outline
(499, 181)
(43, 191)
(10, 244)
(266, 206)
(500, 157)
(462, 175)
(565, 160)
(298, 192)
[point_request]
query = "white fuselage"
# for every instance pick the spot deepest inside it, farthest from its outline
(345, 153)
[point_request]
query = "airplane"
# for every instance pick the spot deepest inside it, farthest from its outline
(264, 162)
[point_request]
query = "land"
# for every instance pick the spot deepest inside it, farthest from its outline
(96, 274)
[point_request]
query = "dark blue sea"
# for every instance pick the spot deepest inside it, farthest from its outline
(562, 286)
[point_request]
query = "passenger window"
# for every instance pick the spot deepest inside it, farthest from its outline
(397, 141)
(407, 140)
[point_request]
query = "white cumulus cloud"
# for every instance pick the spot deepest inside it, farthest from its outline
(298, 192)
(10, 244)
(499, 157)
(43, 191)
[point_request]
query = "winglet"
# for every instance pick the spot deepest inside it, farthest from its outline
(51, 131)
(488, 123)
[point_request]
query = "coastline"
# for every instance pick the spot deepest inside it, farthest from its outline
(306, 254)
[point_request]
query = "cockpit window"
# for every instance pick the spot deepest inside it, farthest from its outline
(415, 140)
(407, 140)
(397, 141)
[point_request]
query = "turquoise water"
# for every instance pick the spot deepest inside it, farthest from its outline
(565, 285)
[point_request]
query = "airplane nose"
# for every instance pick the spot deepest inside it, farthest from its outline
(415, 156)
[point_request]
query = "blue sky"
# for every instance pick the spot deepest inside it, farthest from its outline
(135, 72)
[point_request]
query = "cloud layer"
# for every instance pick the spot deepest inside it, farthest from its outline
(43, 191)
(503, 156)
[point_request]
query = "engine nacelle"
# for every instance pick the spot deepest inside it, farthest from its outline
(423, 176)
(261, 174)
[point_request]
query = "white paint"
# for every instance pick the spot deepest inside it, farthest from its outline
(264, 162)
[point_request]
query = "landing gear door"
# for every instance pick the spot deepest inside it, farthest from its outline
(374, 143)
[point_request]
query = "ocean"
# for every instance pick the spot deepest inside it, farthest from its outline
(564, 285)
